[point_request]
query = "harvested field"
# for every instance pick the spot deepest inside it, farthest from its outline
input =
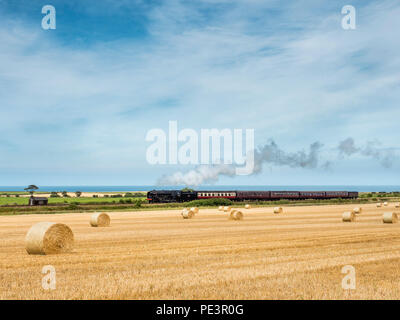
(159, 255)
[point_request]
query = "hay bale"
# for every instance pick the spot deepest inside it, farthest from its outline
(227, 209)
(397, 205)
(195, 210)
(49, 238)
(247, 206)
(220, 208)
(378, 205)
(236, 215)
(278, 210)
(187, 214)
(357, 210)
(348, 216)
(100, 219)
(385, 204)
(390, 217)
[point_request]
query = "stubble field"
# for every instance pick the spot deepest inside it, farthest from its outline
(158, 255)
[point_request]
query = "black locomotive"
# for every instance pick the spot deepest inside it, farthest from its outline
(162, 196)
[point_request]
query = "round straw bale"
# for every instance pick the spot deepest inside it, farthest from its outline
(195, 210)
(100, 219)
(247, 206)
(187, 214)
(397, 205)
(227, 209)
(385, 204)
(348, 216)
(48, 238)
(278, 210)
(220, 208)
(390, 217)
(236, 215)
(357, 210)
(378, 205)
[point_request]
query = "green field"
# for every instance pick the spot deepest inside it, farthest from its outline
(81, 200)
(18, 205)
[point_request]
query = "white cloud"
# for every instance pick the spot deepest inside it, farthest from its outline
(297, 80)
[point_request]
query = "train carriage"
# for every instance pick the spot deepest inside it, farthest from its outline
(277, 195)
(312, 195)
(336, 194)
(216, 194)
(253, 195)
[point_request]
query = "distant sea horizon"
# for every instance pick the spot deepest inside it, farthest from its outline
(364, 188)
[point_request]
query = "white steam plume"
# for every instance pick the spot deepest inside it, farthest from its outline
(269, 153)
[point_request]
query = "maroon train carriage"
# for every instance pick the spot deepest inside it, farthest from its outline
(253, 195)
(353, 195)
(312, 195)
(336, 194)
(276, 195)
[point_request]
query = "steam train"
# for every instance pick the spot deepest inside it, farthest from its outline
(163, 196)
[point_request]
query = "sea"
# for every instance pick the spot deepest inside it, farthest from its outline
(365, 188)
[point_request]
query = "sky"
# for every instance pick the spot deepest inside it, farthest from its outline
(77, 102)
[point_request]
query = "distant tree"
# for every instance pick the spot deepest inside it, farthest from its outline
(138, 195)
(64, 194)
(78, 193)
(187, 190)
(31, 189)
(128, 195)
(54, 194)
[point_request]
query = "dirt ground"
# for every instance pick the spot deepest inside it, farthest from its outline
(298, 254)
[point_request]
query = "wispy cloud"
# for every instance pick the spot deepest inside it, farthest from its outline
(288, 70)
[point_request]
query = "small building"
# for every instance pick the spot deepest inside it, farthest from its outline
(38, 201)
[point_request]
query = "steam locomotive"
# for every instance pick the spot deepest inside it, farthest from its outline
(163, 196)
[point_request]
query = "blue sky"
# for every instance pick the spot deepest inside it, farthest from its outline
(76, 102)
